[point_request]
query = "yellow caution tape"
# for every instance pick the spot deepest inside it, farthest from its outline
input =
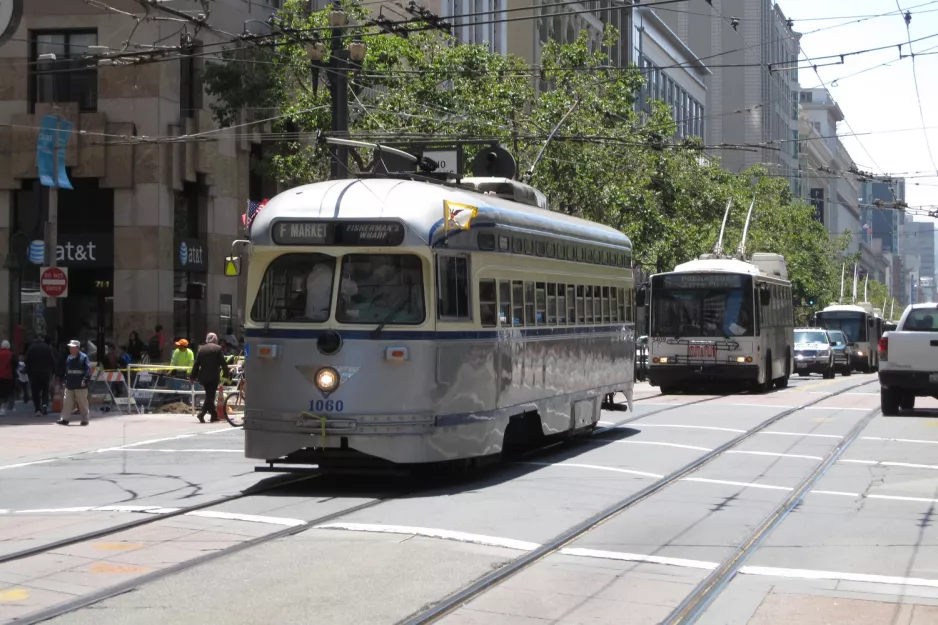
(322, 422)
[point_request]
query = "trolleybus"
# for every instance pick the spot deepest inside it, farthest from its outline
(861, 327)
(398, 320)
(722, 319)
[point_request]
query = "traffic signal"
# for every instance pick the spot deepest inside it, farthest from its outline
(811, 301)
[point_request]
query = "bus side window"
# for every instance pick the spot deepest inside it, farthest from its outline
(453, 288)
(504, 303)
(487, 303)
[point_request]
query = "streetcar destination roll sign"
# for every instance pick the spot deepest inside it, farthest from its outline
(370, 233)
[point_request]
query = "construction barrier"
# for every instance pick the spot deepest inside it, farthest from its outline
(154, 385)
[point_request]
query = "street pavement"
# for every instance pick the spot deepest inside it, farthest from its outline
(860, 548)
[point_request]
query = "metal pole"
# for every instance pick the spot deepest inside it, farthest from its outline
(339, 93)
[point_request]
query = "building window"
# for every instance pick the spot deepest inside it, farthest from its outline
(71, 77)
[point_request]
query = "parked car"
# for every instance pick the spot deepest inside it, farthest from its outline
(908, 358)
(813, 352)
(843, 351)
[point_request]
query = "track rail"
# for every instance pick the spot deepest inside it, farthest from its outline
(494, 578)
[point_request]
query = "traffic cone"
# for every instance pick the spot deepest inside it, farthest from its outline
(220, 403)
(57, 398)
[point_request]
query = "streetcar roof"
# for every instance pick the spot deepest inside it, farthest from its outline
(419, 205)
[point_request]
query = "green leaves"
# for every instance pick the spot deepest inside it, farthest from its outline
(607, 162)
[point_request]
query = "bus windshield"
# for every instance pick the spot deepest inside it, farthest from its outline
(295, 288)
(852, 324)
(701, 305)
(381, 288)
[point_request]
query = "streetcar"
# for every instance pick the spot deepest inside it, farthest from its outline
(725, 319)
(861, 327)
(398, 320)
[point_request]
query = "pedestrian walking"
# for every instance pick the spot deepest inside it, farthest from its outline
(7, 378)
(77, 378)
(41, 366)
(209, 368)
(155, 345)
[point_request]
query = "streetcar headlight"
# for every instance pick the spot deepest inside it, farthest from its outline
(327, 379)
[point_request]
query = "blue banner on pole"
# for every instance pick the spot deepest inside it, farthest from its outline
(45, 147)
(65, 131)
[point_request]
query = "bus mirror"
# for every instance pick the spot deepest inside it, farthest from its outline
(765, 297)
(233, 266)
(871, 322)
(640, 297)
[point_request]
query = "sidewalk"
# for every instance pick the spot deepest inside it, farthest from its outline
(26, 437)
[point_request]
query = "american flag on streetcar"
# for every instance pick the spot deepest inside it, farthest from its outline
(253, 209)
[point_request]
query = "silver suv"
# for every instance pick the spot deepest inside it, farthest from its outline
(814, 352)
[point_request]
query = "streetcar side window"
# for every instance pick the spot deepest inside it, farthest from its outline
(597, 302)
(614, 305)
(452, 283)
(625, 304)
(607, 303)
(580, 317)
(588, 299)
(540, 298)
(504, 302)
(551, 303)
(571, 304)
(561, 304)
(517, 303)
(529, 303)
(488, 303)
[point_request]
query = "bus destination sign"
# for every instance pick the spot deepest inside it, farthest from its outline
(351, 233)
(703, 281)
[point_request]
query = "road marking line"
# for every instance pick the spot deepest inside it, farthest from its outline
(141, 443)
(772, 453)
(763, 571)
(755, 405)
(48, 510)
(836, 493)
(593, 466)
(857, 461)
(185, 451)
(731, 483)
(899, 498)
(802, 434)
(898, 440)
(635, 557)
(769, 571)
(228, 429)
(251, 518)
(663, 445)
(29, 464)
(12, 595)
(908, 465)
(837, 408)
(463, 537)
(692, 427)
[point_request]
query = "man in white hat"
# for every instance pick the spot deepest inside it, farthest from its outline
(77, 378)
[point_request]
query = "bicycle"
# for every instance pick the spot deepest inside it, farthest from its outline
(234, 401)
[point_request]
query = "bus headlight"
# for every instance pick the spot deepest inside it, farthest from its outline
(327, 379)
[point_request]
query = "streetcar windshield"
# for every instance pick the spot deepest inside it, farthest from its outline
(810, 337)
(381, 288)
(295, 288)
(702, 305)
(852, 324)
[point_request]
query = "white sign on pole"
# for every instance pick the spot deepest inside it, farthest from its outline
(446, 159)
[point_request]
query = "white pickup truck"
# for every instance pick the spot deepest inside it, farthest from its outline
(908, 359)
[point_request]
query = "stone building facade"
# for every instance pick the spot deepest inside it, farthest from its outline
(158, 191)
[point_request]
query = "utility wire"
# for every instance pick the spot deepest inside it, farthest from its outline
(918, 97)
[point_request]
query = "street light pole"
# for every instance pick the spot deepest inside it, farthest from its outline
(338, 91)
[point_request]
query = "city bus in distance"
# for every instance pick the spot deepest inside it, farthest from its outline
(722, 319)
(861, 327)
(400, 321)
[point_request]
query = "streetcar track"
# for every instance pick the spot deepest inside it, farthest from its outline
(146, 520)
(554, 545)
(132, 584)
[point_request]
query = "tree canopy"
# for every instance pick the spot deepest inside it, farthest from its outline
(607, 161)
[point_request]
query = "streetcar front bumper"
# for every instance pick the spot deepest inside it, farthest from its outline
(663, 375)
